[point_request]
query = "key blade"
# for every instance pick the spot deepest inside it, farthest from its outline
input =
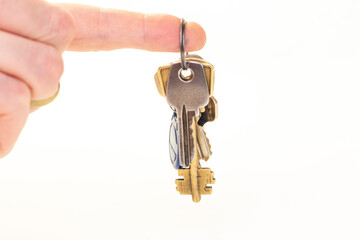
(204, 146)
(185, 137)
(191, 133)
(186, 143)
(187, 97)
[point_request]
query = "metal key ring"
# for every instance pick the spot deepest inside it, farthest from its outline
(182, 44)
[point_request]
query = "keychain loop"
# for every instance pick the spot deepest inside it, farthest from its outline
(182, 45)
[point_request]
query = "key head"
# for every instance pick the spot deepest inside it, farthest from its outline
(162, 75)
(210, 112)
(192, 93)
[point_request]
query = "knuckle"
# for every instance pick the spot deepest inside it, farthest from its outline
(66, 24)
(100, 23)
(16, 95)
(50, 67)
(21, 90)
(62, 25)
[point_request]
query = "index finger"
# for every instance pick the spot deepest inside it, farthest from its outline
(108, 29)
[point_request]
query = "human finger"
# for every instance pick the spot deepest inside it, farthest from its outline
(108, 29)
(14, 109)
(39, 65)
(37, 20)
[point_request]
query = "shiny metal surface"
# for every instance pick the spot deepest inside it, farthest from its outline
(182, 45)
(187, 97)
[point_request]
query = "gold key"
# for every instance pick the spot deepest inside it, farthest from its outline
(208, 115)
(203, 142)
(195, 178)
(210, 112)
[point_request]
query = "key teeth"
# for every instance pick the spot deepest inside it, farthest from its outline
(202, 131)
(208, 142)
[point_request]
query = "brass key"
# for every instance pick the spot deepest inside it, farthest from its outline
(210, 112)
(195, 179)
(208, 115)
(204, 147)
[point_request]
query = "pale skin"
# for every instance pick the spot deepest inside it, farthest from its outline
(34, 34)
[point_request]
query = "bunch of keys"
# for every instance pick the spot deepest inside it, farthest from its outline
(191, 98)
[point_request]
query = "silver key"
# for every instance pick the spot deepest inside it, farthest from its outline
(187, 97)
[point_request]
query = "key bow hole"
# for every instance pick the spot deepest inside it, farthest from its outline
(186, 75)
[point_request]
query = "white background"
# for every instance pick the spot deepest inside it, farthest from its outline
(94, 164)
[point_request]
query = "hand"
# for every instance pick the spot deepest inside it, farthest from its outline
(34, 34)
